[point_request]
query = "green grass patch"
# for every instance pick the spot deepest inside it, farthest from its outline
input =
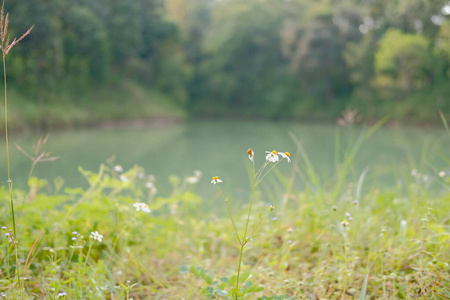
(329, 240)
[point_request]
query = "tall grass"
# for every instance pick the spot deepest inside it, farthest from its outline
(6, 47)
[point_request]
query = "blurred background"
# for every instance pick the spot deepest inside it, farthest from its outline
(88, 61)
(178, 66)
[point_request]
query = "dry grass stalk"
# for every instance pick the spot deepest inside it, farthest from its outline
(38, 155)
(4, 21)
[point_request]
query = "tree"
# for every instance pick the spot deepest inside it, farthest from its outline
(403, 62)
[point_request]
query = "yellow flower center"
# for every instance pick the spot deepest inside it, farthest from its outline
(215, 178)
(250, 151)
(287, 153)
(274, 152)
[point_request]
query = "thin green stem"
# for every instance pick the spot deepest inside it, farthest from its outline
(7, 150)
(259, 180)
(231, 216)
(87, 255)
(257, 174)
(232, 221)
(257, 226)
(9, 177)
(250, 208)
(69, 261)
(239, 271)
(246, 223)
(83, 270)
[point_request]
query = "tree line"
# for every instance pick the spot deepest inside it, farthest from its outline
(273, 58)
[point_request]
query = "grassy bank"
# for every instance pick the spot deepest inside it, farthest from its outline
(127, 101)
(106, 103)
(325, 238)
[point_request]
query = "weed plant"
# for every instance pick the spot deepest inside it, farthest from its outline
(232, 283)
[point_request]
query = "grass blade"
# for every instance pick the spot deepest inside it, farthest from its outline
(312, 175)
(360, 183)
(366, 280)
(444, 120)
(31, 251)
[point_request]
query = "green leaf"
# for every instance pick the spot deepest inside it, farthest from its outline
(222, 293)
(195, 271)
(246, 275)
(255, 289)
(184, 269)
(205, 277)
(232, 280)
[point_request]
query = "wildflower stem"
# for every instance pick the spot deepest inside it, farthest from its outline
(87, 255)
(231, 216)
(257, 174)
(257, 226)
(232, 221)
(246, 228)
(259, 180)
(69, 261)
(239, 270)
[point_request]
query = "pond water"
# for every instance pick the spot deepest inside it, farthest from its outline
(219, 148)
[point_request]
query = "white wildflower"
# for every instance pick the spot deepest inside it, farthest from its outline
(142, 206)
(215, 180)
(96, 236)
(272, 156)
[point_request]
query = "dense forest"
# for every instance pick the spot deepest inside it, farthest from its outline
(270, 58)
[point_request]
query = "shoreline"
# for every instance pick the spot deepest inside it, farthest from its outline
(162, 122)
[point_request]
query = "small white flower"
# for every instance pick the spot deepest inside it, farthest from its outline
(74, 232)
(96, 236)
(442, 174)
(344, 223)
(7, 234)
(142, 206)
(286, 155)
(123, 178)
(215, 180)
(192, 179)
(198, 173)
(118, 168)
(74, 239)
(151, 177)
(414, 173)
(4, 227)
(62, 294)
(272, 156)
(149, 185)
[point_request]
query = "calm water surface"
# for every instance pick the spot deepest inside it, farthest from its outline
(219, 148)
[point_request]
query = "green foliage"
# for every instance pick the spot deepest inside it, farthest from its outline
(403, 61)
(297, 59)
